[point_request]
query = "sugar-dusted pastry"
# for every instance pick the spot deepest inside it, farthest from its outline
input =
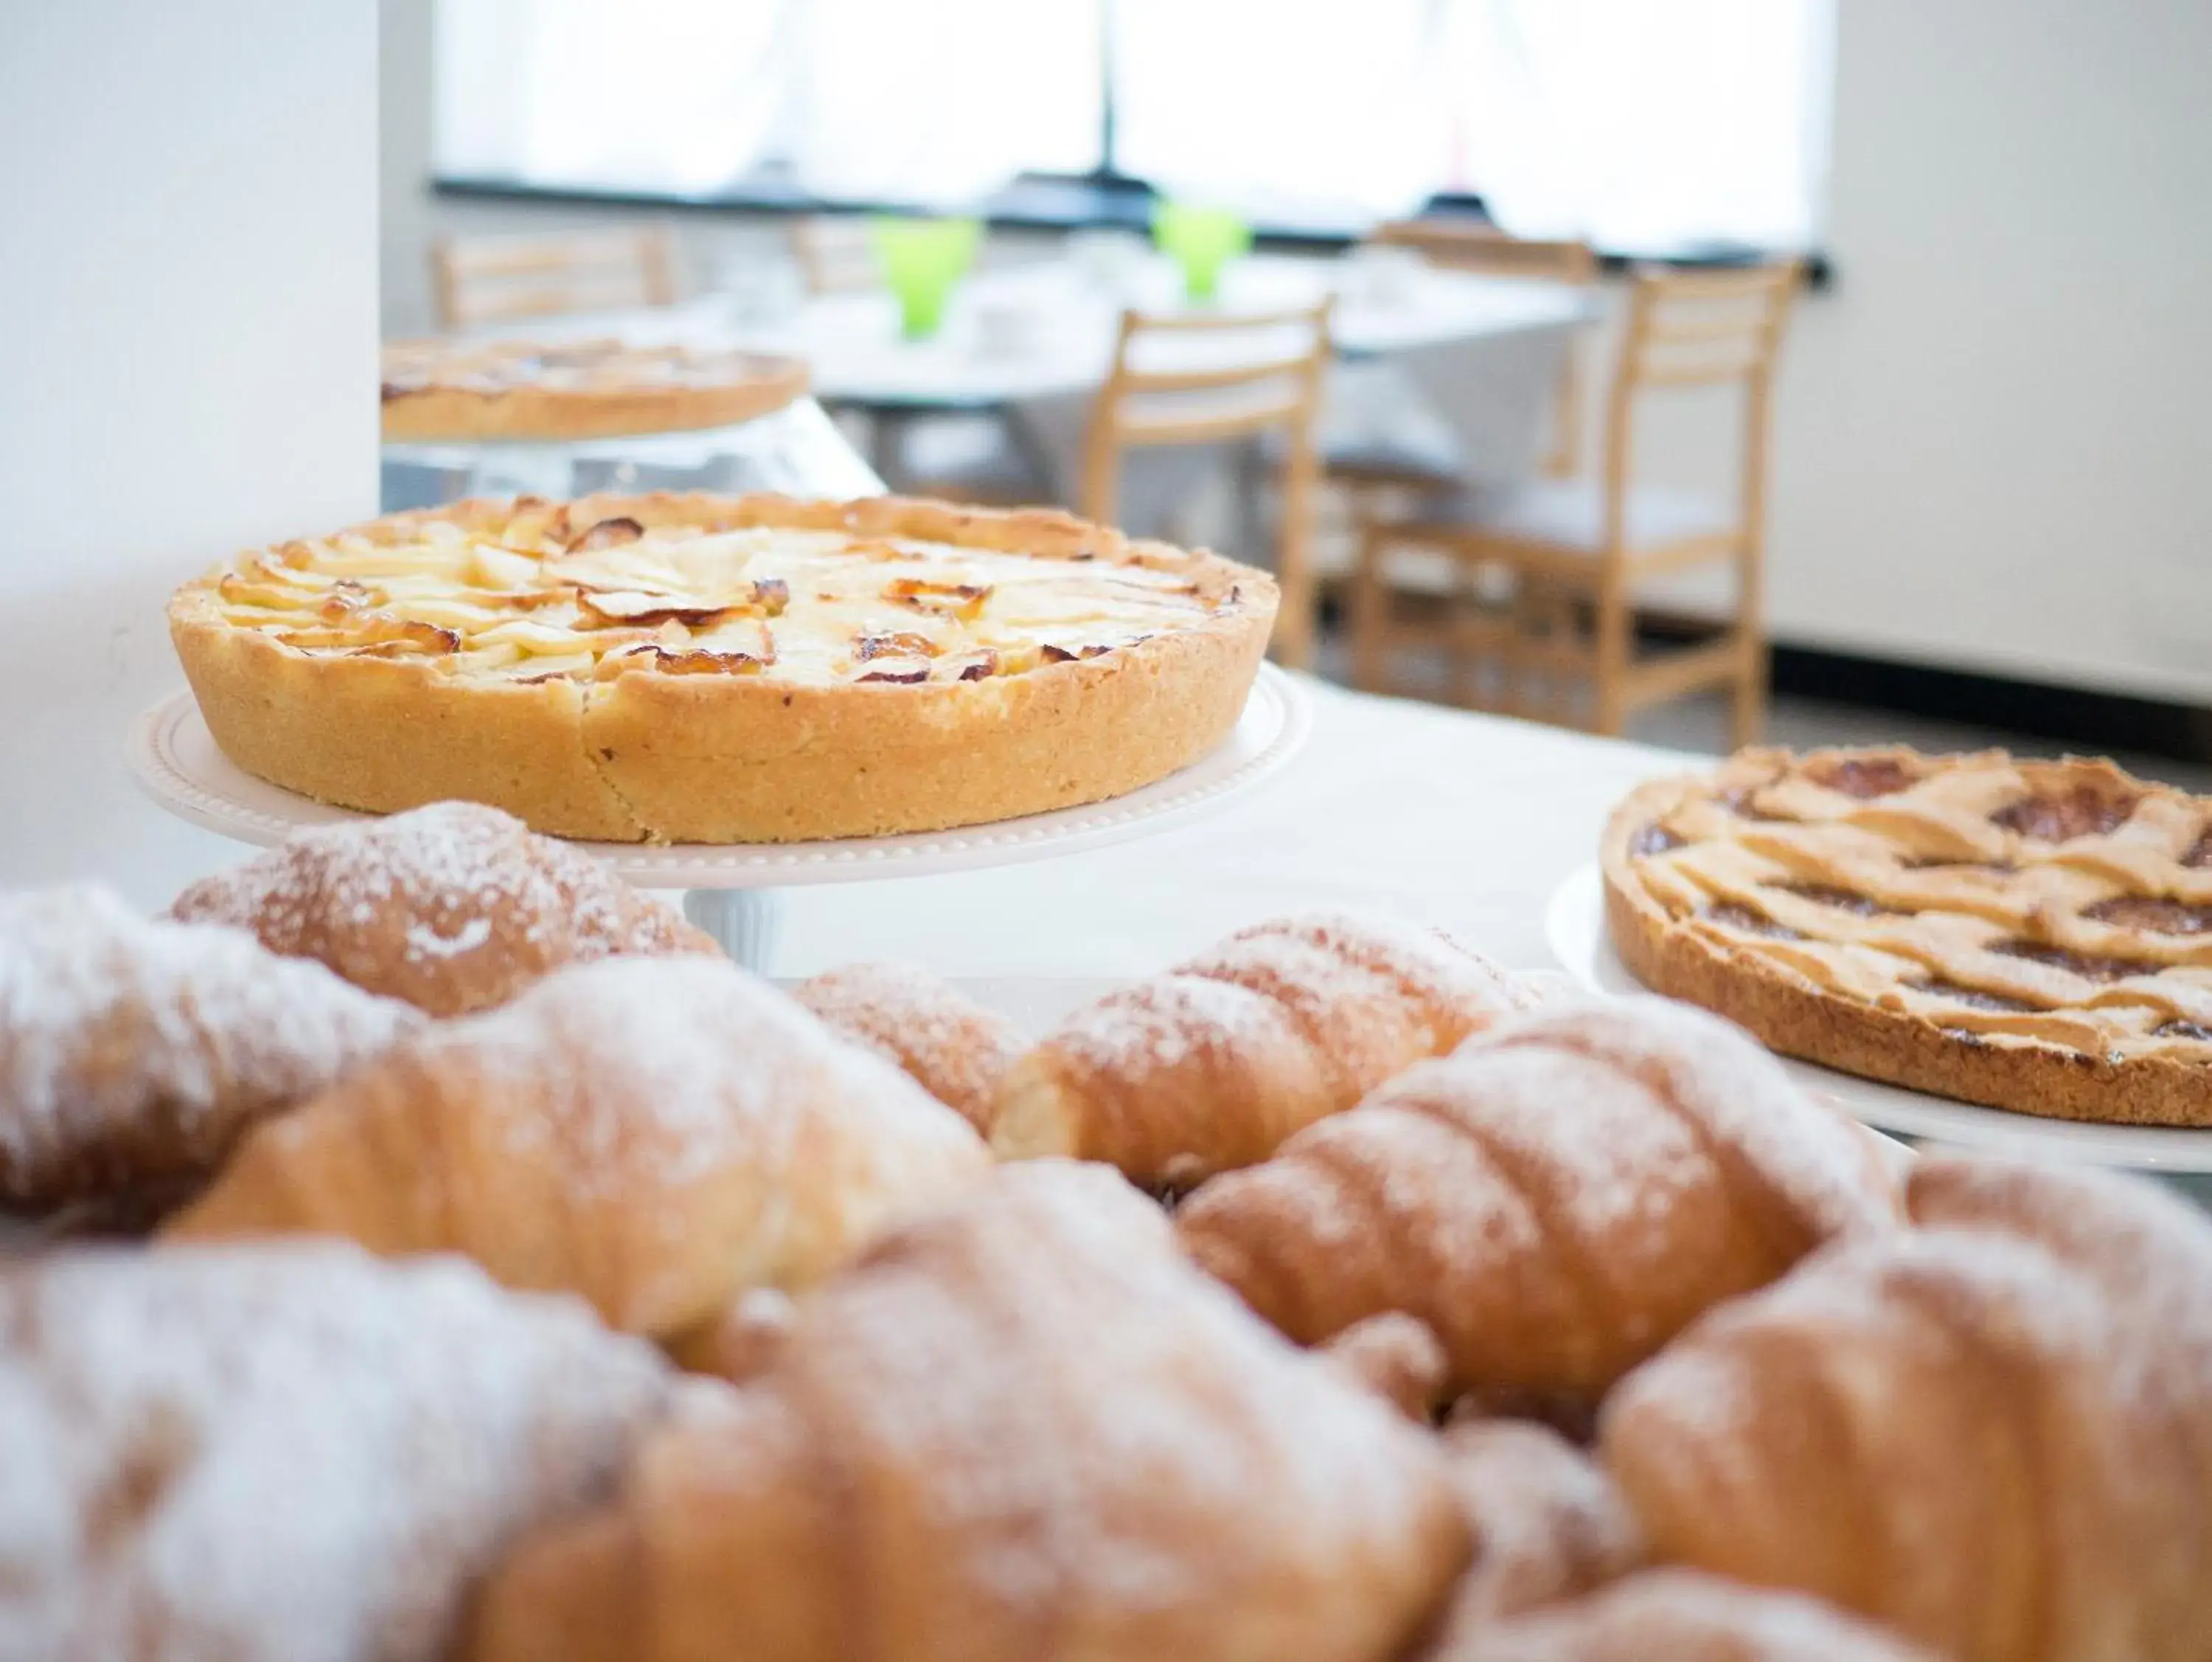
(454, 907)
(1021, 1427)
(2035, 936)
(1993, 1432)
(1548, 1523)
(289, 1453)
(658, 1135)
(1213, 1064)
(956, 1047)
(1679, 1615)
(1397, 1358)
(1555, 1200)
(135, 1053)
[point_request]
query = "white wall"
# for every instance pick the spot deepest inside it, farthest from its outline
(1991, 448)
(188, 320)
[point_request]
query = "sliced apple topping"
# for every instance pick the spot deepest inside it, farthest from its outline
(962, 600)
(893, 643)
(607, 534)
(370, 636)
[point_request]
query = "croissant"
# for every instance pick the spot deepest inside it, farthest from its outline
(1020, 1427)
(1548, 1523)
(658, 1135)
(454, 907)
(2042, 1413)
(1395, 1357)
(290, 1454)
(1679, 1615)
(1555, 1200)
(1213, 1065)
(134, 1054)
(956, 1049)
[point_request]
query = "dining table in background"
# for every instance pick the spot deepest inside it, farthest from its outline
(1457, 366)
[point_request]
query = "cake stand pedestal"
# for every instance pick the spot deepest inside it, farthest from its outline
(729, 890)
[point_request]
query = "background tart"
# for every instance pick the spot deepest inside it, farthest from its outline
(694, 668)
(2031, 935)
(458, 392)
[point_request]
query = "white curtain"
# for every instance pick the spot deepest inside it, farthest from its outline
(675, 95)
(1643, 126)
(938, 101)
(1327, 105)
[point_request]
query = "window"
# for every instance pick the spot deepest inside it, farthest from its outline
(1643, 127)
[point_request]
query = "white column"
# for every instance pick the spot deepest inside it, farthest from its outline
(188, 324)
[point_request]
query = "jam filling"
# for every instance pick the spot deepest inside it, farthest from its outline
(2200, 853)
(2159, 916)
(1751, 923)
(2084, 810)
(1974, 997)
(1864, 778)
(1844, 900)
(2184, 1029)
(2081, 963)
(1654, 838)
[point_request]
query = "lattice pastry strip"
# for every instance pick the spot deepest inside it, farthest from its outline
(2065, 903)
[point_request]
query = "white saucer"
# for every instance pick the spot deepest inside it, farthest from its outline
(1575, 926)
(174, 757)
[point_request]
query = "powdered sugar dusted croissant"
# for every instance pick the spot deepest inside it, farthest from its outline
(658, 1135)
(1679, 1615)
(1021, 1427)
(1548, 1525)
(134, 1054)
(454, 907)
(286, 1454)
(956, 1049)
(2024, 1381)
(1555, 1200)
(1213, 1064)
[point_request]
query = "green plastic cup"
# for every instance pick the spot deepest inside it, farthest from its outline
(1200, 241)
(921, 260)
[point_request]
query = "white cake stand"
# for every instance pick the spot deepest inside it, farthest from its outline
(731, 888)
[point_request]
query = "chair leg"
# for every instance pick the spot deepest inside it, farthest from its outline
(1365, 600)
(1747, 708)
(1610, 714)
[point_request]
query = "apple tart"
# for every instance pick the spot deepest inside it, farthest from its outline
(693, 668)
(470, 391)
(2031, 935)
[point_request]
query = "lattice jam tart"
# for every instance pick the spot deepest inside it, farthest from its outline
(2033, 935)
(701, 669)
(459, 391)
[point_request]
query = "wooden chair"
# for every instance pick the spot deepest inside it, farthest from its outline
(1487, 251)
(1576, 552)
(493, 279)
(1186, 379)
(834, 253)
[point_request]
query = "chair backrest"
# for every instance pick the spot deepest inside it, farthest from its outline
(1485, 251)
(834, 253)
(1700, 329)
(1489, 252)
(491, 279)
(1191, 378)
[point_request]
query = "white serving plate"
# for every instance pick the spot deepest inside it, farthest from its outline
(1575, 926)
(174, 757)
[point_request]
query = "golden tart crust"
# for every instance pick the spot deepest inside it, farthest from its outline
(691, 668)
(464, 392)
(2031, 935)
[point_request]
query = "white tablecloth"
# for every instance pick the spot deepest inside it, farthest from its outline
(1465, 821)
(1458, 365)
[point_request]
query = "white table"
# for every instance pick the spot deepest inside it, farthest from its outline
(1455, 362)
(1465, 821)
